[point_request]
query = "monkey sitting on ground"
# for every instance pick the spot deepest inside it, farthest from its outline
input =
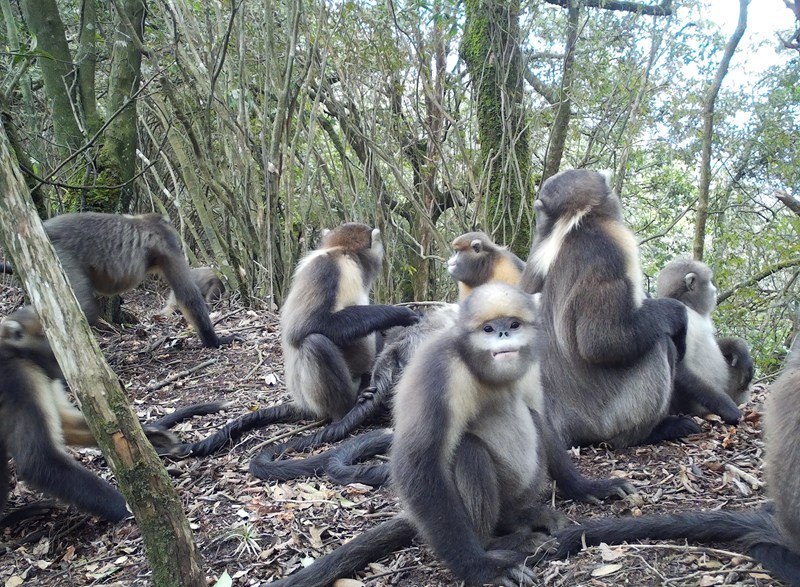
(476, 260)
(328, 332)
(740, 367)
(704, 382)
(211, 288)
(38, 421)
(609, 353)
(467, 459)
(112, 253)
(771, 534)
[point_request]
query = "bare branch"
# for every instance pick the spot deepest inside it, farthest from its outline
(751, 281)
(791, 202)
(663, 9)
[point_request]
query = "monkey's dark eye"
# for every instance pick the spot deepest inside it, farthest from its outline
(515, 324)
(488, 328)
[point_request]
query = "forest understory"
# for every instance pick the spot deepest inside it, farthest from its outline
(257, 531)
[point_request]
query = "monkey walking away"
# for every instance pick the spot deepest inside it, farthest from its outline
(467, 460)
(609, 353)
(211, 288)
(476, 260)
(705, 381)
(328, 332)
(39, 420)
(110, 254)
(771, 534)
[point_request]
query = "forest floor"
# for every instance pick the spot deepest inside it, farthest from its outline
(257, 531)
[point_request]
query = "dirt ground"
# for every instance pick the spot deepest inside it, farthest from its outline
(256, 531)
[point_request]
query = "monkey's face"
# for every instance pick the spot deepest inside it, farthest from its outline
(464, 264)
(500, 351)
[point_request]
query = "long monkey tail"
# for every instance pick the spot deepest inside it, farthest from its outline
(186, 412)
(354, 555)
(280, 414)
(754, 531)
(268, 465)
(343, 463)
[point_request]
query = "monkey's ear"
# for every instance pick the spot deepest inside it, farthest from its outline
(476, 245)
(538, 205)
(377, 241)
(325, 232)
(690, 279)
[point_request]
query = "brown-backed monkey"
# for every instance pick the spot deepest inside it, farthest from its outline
(476, 260)
(210, 285)
(110, 254)
(609, 352)
(38, 420)
(703, 378)
(771, 534)
(467, 459)
(328, 332)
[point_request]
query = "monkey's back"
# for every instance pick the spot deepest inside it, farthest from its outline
(116, 251)
(782, 425)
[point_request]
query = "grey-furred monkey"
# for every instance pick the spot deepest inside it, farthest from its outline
(771, 534)
(328, 330)
(740, 367)
(705, 382)
(110, 254)
(37, 420)
(210, 285)
(467, 458)
(609, 353)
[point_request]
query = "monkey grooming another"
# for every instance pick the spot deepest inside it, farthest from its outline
(704, 382)
(609, 353)
(467, 458)
(740, 367)
(476, 260)
(112, 253)
(771, 534)
(210, 286)
(328, 332)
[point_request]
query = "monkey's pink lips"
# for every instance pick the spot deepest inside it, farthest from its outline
(505, 355)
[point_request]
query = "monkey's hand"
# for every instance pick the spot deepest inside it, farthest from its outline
(676, 322)
(505, 568)
(596, 490)
(226, 340)
(405, 316)
(162, 440)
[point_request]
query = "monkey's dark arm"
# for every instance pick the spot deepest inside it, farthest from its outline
(354, 322)
(233, 430)
(6, 268)
(353, 556)
(689, 386)
(269, 466)
(341, 466)
(50, 470)
(621, 334)
(571, 483)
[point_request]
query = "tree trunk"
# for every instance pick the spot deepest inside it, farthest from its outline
(708, 133)
(490, 48)
(173, 556)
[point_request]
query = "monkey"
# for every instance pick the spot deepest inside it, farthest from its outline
(609, 352)
(476, 260)
(38, 421)
(770, 534)
(110, 254)
(211, 288)
(466, 458)
(703, 382)
(740, 367)
(328, 332)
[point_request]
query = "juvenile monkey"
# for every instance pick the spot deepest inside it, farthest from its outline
(609, 352)
(328, 332)
(771, 534)
(38, 421)
(467, 459)
(211, 288)
(740, 367)
(476, 260)
(703, 378)
(110, 254)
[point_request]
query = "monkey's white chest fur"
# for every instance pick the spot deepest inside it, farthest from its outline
(703, 356)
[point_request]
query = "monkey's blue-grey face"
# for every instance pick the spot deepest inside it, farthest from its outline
(505, 348)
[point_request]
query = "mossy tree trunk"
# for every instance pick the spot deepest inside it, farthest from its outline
(174, 558)
(490, 48)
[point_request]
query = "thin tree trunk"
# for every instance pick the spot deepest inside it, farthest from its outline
(708, 133)
(173, 556)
